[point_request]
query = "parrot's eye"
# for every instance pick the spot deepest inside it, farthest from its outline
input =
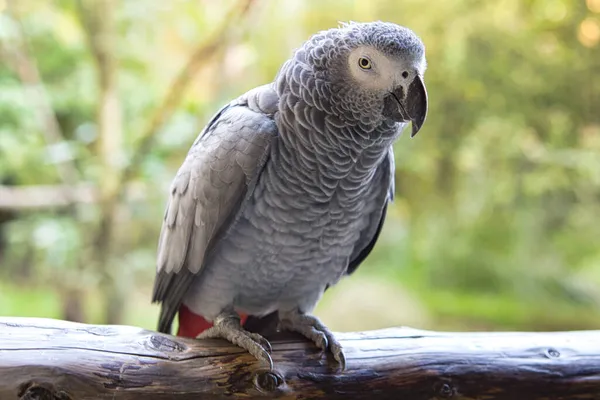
(364, 63)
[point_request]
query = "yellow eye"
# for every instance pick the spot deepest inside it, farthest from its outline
(364, 63)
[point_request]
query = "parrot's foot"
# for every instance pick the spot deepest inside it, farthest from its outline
(227, 326)
(312, 328)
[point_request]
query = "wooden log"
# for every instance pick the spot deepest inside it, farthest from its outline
(50, 359)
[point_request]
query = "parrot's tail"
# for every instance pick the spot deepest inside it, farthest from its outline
(191, 325)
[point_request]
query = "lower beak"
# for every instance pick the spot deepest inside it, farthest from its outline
(412, 106)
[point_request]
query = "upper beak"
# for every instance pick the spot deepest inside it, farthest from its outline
(412, 106)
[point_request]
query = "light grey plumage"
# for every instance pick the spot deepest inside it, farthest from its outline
(285, 190)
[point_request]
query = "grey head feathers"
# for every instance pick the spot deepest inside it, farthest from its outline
(359, 72)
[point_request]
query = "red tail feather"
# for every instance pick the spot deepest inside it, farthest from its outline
(191, 325)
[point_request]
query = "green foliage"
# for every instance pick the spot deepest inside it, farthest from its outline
(495, 221)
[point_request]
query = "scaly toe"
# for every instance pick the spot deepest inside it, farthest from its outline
(255, 344)
(335, 348)
(319, 339)
(262, 341)
(264, 357)
(338, 354)
(311, 328)
(308, 331)
(210, 333)
(245, 341)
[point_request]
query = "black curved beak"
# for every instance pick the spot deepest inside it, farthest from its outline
(410, 107)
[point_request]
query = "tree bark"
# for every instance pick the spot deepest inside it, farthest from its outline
(50, 359)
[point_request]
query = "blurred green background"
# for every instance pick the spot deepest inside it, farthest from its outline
(496, 222)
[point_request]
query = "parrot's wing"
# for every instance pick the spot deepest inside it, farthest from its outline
(218, 173)
(370, 234)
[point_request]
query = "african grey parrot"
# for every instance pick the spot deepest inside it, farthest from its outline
(285, 190)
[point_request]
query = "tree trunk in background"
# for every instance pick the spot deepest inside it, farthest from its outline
(72, 305)
(110, 130)
(115, 301)
(98, 17)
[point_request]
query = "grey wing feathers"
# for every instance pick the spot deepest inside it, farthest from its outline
(370, 235)
(205, 196)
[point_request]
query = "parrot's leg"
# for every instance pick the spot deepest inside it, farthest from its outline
(312, 328)
(228, 326)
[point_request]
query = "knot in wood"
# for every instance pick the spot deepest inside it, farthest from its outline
(267, 381)
(552, 353)
(445, 390)
(33, 391)
(163, 343)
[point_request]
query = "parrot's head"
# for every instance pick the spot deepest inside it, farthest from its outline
(374, 71)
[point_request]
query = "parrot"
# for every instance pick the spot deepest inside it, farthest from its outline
(285, 190)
